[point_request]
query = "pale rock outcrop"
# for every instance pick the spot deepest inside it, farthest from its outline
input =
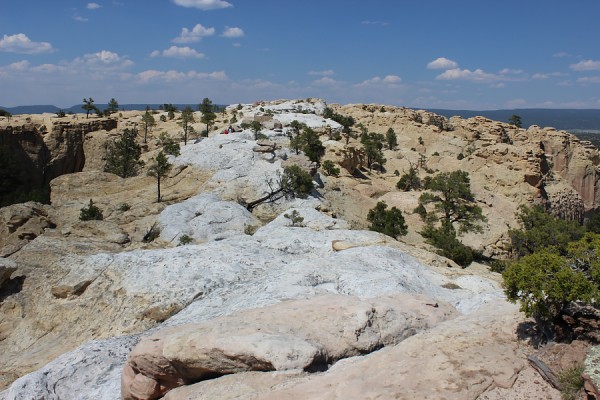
(20, 224)
(139, 289)
(591, 373)
(457, 359)
(297, 335)
(204, 217)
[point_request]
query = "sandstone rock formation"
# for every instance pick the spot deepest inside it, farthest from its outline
(78, 296)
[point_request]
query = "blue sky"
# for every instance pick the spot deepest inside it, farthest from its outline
(467, 54)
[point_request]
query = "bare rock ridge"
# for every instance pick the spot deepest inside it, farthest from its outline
(255, 305)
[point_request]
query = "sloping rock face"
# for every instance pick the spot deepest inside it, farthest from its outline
(298, 335)
(21, 223)
(129, 292)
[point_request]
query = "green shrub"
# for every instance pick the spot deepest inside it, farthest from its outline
(124, 207)
(460, 156)
(295, 218)
(541, 230)
(330, 168)
(544, 283)
(185, 239)
(250, 229)
(571, 382)
(91, 213)
(389, 222)
(409, 181)
(448, 245)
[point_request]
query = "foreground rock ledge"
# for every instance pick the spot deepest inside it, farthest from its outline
(301, 335)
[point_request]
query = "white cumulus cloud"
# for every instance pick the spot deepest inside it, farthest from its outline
(20, 43)
(586, 65)
(477, 76)
(93, 6)
(194, 35)
(234, 32)
(178, 76)
(178, 52)
(203, 4)
(442, 63)
(376, 80)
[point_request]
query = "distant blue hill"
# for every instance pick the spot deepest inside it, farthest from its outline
(563, 119)
(39, 109)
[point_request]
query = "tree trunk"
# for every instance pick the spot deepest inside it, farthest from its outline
(158, 187)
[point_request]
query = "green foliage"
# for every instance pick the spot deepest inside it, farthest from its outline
(250, 229)
(445, 240)
(185, 239)
(124, 207)
(88, 106)
(572, 382)
(345, 121)
(515, 120)
(389, 222)
(123, 157)
(593, 222)
(541, 230)
(453, 202)
(163, 118)
(149, 122)
(256, 127)
(410, 180)
(170, 109)
(391, 139)
(5, 113)
(330, 168)
(421, 141)
(187, 118)
(158, 169)
(312, 145)
(296, 182)
(460, 156)
(373, 148)
(91, 213)
(295, 218)
(544, 283)
(60, 114)
(436, 153)
(113, 106)
(169, 145)
(208, 115)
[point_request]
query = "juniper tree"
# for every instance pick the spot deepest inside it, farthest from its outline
(113, 106)
(187, 118)
(123, 157)
(389, 222)
(88, 105)
(208, 114)
(158, 169)
(148, 121)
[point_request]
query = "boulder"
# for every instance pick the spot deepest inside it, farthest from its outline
(591, 373)
(297, 335)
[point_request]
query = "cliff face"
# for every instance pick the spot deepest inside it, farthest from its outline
(45, 155)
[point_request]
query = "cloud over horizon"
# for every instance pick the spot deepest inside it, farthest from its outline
(20, 43)
(178, 52)
(442, 63)
(205, 5)
(195, 35)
